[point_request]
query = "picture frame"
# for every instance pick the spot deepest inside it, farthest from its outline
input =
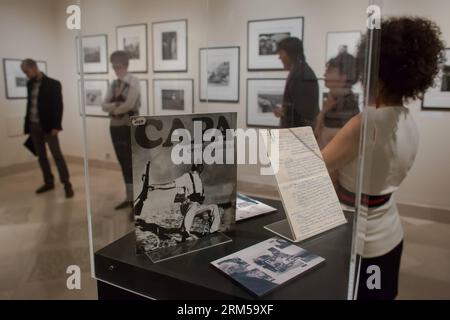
(263, 37)
(219, 74)
(262, 96)
(15, 79)
(132, 38)
(95, 92)
(145, 108)
(173, 96)
(94, 55)
(338, 41)
(170, 46)
(437, 98)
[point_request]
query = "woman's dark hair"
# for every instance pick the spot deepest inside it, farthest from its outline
(120, 57)
(410, 55)
(293, 48)
(346, 65)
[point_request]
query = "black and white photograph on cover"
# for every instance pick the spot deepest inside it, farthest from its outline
(133, 39)
(15, 79)
(437, 98)
(132, 47)
(173, 96)
(170, 44)
(175, 203)
(342, 41)
(263, 38)
(94, 54)
(219, 74)
(262, 96)
(268, 42)
(265, 266)
(145, 108)
(94, 93)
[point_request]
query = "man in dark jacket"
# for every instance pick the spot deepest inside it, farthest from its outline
(301, 95)
(43, 123)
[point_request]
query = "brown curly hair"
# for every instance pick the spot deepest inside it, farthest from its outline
(411, 53)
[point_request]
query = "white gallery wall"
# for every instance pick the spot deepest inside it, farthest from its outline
(37, 29)
(27, 29)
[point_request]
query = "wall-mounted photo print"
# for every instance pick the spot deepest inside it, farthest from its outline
(15, 79)
(170, 46)
(133, 39)
(94, 94)
(219, 74)
(263, 95)
(172, 96)
(94, 54)
(339, 42)
(438, 97)
(264, 37)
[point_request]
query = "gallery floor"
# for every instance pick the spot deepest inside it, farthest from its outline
(41, 235)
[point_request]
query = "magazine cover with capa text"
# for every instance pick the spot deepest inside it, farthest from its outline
(180, 195)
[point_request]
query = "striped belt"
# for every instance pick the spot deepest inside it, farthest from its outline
(349, 198)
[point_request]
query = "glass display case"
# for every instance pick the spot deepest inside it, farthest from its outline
(206, 57)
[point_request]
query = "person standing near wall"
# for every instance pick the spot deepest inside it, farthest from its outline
(43, 123)
(301, 95)
(121, 102)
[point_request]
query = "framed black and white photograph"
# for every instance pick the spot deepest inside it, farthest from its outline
(342, 41)
(94, 54)
(219, 74)
(145, 108)
(15, 79)
(263, 95)
(94, 94)
(133, 39)
(170, 46)
(264, 37)
(437, 98)
(173, 96)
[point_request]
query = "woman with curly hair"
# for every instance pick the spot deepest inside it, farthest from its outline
(410, 55)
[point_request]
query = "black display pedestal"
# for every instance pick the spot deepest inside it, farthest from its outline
(121, 274)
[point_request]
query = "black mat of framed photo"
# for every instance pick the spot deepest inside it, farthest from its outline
(133, 39)
(437, 98)
(94, 54)
(219, 74)
(15, 79)
(263, 37)
(94, 95)
(170, 46)
(263, 95)
(173, 96)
